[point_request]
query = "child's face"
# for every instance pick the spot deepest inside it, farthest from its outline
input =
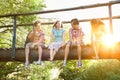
(38, 26)
(58, 24)
(74, 26)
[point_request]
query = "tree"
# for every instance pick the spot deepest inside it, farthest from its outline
(17, 6)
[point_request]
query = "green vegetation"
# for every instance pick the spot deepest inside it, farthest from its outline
(91, 70)
(17, 6)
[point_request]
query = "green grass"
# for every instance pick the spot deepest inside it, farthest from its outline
(91, 70)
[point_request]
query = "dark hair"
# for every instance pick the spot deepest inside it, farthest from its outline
(36, 22)
(75, 21)
(54, 25)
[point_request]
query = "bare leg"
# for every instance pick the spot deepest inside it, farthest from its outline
(79, 55)
(27, 50)
(66, 54)
(96, 49)
(54, 52)
(51, 54)
(79, 52)
(39, 54)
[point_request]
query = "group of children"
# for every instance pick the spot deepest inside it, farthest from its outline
(57, 39)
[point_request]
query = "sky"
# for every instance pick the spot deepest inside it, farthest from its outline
(84, 13)
(80, 14)
(58, 4)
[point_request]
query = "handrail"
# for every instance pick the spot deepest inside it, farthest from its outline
(49, 23)
(59, 10)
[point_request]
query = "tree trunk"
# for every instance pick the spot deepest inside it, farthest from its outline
(87, 53)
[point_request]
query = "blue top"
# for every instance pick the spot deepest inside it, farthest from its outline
(58, 34)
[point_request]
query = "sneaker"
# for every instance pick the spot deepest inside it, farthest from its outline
(26, 64)
(79, 64)
(38, 62)
(64, 63)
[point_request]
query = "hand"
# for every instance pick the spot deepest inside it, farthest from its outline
(33, 45)
(73, 43)
(62, 44)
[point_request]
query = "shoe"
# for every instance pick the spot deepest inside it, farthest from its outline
(38, 62)
(64, 63)
(26, 64)
(79, 64)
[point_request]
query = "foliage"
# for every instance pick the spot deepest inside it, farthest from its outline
(12, 7)
(46, 71)
(91, 70)
(20, 6)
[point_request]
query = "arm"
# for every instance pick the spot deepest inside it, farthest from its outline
(30, 36)
(42, 37)
(51, 37)
(92, 38)
(70, 35)
(103, 30)
(63, 38)
(82, 34)
(93, 41)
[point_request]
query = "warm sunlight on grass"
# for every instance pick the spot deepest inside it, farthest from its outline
(54, 73)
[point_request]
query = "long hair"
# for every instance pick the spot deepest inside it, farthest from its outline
(54, 25)
(94, 24)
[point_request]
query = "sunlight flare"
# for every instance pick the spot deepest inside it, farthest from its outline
(109, 40)
(54, 73)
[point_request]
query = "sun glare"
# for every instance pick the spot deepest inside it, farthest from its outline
(54, 73)
(109, 40)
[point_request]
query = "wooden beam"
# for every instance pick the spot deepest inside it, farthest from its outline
(112, 52)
